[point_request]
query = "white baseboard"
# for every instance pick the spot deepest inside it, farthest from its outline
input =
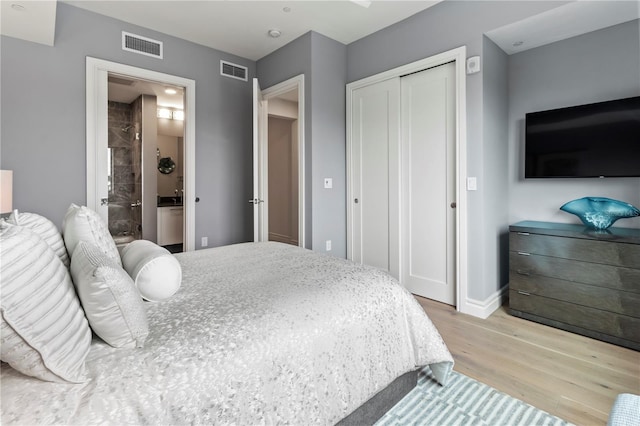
(483, 308)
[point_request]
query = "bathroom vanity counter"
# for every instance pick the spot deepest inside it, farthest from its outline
(170, 224)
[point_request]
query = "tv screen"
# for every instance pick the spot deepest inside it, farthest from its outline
(594, 140)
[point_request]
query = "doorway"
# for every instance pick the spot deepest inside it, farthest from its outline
(279, 162)
(282, 170)
(143, 115)
(100, 159)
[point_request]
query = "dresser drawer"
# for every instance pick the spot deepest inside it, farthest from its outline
(596, 320)
(604, 252)
(616, 301)
(570, 270)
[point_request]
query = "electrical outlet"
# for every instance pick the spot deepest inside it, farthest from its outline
(205, 241)
(328, 245)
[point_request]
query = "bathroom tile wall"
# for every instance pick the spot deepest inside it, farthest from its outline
(121, 133)
(136, 166)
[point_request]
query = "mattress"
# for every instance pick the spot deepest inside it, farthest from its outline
(259, 333)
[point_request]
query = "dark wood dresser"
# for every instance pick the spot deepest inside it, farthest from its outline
(577, 279)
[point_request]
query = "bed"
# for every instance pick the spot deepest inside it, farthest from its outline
(258, 333)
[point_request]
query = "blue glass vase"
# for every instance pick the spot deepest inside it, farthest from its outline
(600, 212)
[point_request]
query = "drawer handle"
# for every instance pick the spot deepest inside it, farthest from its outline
(523, 233)
(521, 272)
(524, 293)
(522, 253)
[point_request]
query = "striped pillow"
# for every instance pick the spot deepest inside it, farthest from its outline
(43, 331)
(45, 229)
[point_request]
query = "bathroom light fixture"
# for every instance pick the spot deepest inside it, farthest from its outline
(170, 91)
(274, 33)
(171, 114)
(6, 191)
(164, 113)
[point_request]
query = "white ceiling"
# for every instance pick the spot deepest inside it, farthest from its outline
(240, 27)
(563, 22)
(29, 20)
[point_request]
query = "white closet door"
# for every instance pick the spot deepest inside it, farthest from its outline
(428, 183)
(375, 177)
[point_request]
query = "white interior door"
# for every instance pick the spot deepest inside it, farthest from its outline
(260, 183)
(429, 183)
(374, 181)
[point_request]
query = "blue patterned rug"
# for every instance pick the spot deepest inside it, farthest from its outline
(463, 401)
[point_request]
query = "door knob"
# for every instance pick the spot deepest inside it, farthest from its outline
(355, 201)
(454, 205)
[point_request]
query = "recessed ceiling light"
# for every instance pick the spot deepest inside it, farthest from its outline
(274, 33)
(170, 91)
(286, 9)
(518, 43)
(16, 6)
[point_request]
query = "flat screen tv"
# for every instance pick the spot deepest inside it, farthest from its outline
(594, 140)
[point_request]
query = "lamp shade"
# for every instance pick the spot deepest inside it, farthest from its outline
(6, 191)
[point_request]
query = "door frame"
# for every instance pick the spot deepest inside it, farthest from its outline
(457, 55)
(274, 91)
(97, 71)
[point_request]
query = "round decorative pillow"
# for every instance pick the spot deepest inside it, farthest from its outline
(156, 272)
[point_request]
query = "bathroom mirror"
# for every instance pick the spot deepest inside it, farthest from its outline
(166, 165)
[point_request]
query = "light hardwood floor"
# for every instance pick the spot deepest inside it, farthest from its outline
(571, 376)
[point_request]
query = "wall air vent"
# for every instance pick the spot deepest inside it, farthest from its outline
(142, 45)
(233, 70)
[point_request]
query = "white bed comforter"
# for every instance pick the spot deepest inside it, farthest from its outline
(258, 334)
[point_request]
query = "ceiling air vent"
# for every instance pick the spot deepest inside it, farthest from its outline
(142, 45)
(233, 70)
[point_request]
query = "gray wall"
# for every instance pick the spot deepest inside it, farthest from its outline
(447, 25)
(323, 62)
(287, 62)
(43, 120)
(495, 188)
(328, 80)
(598, 66)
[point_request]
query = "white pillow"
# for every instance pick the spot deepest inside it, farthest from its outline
(44, 332)
(156, 272)
(83, 224)
(113, 306)
(46, 229)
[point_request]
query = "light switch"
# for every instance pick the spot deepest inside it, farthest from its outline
(328, 183)
(472, 184)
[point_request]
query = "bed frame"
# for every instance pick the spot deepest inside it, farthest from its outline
(376, 407)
